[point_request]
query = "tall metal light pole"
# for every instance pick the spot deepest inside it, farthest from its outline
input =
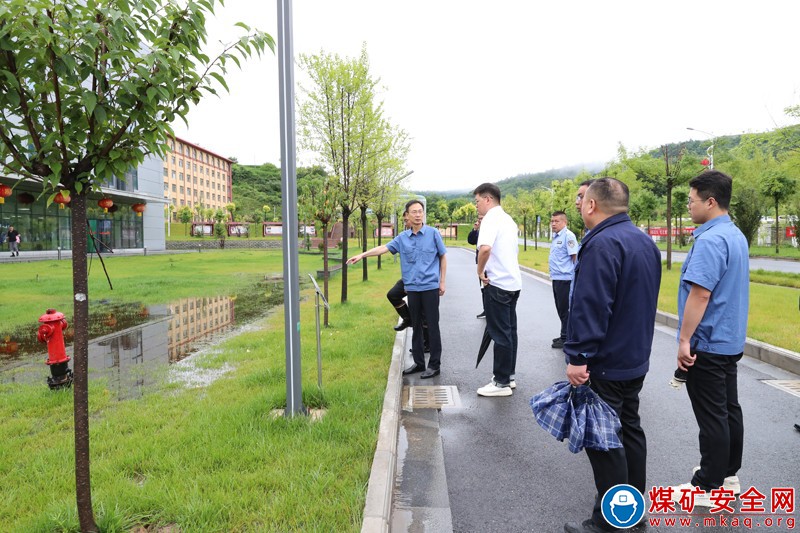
(291, 272)
(710, 151)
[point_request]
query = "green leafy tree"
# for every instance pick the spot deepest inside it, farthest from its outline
(643, 205)
(746, 209)
(320, 197)
(680, 197)
(185, 216)
(87, 89)
(661, 175)
(231, 208)
(777, 186)
(338, 117)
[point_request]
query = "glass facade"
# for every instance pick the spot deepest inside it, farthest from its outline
(48, 228)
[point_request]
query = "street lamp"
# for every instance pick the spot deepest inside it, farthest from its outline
(710, 150)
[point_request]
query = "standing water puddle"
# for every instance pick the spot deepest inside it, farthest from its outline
(130, 343)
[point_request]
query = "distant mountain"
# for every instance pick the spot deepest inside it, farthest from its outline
(526, 182)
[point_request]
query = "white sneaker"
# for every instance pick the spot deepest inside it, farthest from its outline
(700, 500)
(493, 390)
(730, 483)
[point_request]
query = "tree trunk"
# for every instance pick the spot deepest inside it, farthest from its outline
(80, 324)
(345, 235)
(777, 230)
(380, 234)
(325, 267)
(364, 273)
(524, 233)
(669, 227)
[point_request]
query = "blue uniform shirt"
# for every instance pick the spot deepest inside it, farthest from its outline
(718, 261)
(563, 247)
(419, 257)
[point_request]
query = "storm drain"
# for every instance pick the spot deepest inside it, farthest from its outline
(792, 386)
(430, 397)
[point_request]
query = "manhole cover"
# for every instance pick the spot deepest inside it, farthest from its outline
(430, 397)
(792, 386)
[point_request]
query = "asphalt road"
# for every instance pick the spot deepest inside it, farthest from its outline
(505, 474)
(757, 263)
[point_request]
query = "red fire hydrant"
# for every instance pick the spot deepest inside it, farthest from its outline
(52, 332)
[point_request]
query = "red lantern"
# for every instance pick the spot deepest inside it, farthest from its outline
(5, 192)
(62, 198)
(705, 162)
(105, 203)
(138, 209)
(25, 198)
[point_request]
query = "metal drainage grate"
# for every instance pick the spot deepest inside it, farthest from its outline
(430, 397)
(792, 386)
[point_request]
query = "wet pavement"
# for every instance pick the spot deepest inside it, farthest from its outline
(503, 473)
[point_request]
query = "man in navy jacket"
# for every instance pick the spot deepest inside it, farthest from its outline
(610, 331)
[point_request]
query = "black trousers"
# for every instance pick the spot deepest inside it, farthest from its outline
(561, 296)
(424, 306)
(713, 391)
(395, 296)
(626, 465)
(501, 321)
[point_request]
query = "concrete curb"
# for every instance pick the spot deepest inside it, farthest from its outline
(773, 355)
(378, 505)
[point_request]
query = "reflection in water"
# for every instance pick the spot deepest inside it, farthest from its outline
(131, 344)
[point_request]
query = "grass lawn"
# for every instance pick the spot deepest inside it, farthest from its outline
(787, 251)
(210, 458)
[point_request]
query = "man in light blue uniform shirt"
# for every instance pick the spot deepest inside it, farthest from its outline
(424, 266)
(563, 252)
(713, 299)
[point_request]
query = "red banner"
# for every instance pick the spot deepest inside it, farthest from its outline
(662, 232)
(791, 231)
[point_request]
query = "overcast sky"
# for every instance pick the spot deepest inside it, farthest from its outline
(489, 90)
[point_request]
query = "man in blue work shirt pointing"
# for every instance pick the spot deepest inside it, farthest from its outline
(424, 266)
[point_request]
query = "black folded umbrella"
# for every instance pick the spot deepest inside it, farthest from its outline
(485, 341)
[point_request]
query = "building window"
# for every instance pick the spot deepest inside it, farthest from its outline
(188, 190)
(180, 163)
(166, 187)
(208, 195)
(195, 180)
(174, 175)
(183, 202)
(173, 159)
(174, 188)
(166, 172)
(180, 176)
(181, 190)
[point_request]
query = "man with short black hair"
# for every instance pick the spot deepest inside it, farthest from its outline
(713, 299)
(610, 332)
(498, 270)
(563, 251)
(13, 241)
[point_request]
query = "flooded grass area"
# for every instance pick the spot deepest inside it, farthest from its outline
(131, 344)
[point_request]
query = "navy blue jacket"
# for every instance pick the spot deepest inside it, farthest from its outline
(614, 298)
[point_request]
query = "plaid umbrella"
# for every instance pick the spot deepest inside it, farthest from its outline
(485, 341)
(577, 414)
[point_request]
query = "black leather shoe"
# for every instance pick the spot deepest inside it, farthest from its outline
(403, 325)
(430, 373)
(414, 369)
(559, 343)
(482, 315)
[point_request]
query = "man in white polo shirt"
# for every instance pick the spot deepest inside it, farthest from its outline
(498, 269)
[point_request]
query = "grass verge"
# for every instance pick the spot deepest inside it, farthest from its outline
(213, 458)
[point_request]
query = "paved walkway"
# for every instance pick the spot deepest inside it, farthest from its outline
(486, 466)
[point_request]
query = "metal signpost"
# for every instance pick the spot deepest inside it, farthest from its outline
(319, 342)
(291, 274)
